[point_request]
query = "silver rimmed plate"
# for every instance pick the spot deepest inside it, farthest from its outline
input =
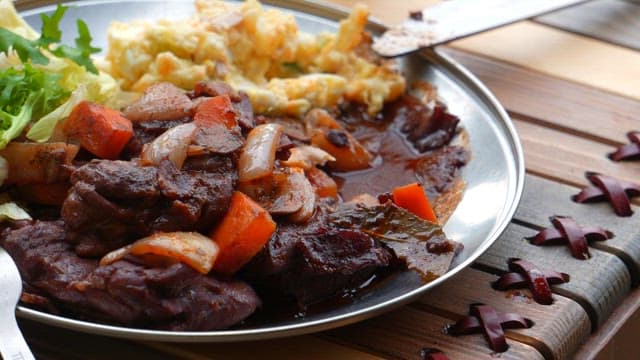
(494, 177)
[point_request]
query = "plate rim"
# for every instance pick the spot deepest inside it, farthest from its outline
(334, 13)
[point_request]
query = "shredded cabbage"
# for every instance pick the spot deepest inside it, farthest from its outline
(73, 74)
(11, 211)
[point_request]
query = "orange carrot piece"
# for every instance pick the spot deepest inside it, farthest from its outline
(324, 185)
(217, 110)
(243, 231)
(352, 157)
(412, 198)
(102, 131)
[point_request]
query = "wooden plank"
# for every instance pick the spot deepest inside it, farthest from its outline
(561, 54)
(565, 158)
(559, 329)
(51, 343)
(553, 102)
(307, 347)
(30, 4)
(625, 244)
(614, 21)
(598, 284)
(401, 334)
(618, 337)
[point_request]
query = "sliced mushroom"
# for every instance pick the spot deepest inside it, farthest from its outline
(284, 192)
(259, 153)
(307, 157)
(173, 144)
(300, 183)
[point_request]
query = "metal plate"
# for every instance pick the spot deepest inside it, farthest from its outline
(494, 177)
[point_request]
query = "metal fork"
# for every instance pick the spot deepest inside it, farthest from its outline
(12, 344)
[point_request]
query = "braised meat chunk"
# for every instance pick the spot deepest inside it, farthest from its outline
(112, 203)
(317, 260)
(125, 293)
(427, 127)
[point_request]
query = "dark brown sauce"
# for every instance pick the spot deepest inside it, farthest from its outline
(277, 308)
(393, 166)
(393, 137)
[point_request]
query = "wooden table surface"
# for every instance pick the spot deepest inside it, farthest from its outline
(571, 82)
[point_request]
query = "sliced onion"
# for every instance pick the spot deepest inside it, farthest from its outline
(172, 144)
(149, 260)
(190, 248)
(259, 153)
(12, 211)
(305, 190)
(115, 255)
(284, 192)
(307, 157)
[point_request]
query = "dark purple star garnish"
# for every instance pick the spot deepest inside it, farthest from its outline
(484, 318)
(606, 187)
(577, 237)
(526, 274)
(629, 151)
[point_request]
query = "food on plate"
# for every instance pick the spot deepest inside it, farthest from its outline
(196, 180)
(259, 51)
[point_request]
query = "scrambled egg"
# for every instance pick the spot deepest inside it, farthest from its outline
(256, 50)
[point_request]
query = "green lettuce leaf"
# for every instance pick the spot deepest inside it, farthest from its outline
(42, 129)
(100, 88)
(25, 94)
(49, 40)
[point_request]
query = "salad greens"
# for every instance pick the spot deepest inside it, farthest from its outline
(24, 94)
(51, 34)
(41, 80)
